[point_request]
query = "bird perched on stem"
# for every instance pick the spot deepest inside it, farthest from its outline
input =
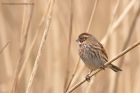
(92, 53)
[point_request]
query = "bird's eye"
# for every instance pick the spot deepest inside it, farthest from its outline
(83, 39)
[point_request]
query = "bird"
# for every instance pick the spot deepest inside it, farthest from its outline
(93, 54)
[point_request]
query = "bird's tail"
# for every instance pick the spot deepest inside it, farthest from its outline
(114, 68)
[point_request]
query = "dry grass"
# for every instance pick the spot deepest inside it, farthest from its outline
(42, 55)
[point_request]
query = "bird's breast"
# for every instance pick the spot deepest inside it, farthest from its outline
(89, 57)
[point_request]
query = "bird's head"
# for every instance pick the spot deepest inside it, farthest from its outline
(83, 37)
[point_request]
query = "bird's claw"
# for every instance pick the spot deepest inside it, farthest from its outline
(87, 78)
(103, 67)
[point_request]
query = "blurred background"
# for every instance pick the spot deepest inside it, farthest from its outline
(38, 52)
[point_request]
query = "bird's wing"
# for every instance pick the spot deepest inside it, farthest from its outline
(98, 46)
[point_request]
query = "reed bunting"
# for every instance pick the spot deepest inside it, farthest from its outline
(92, 53)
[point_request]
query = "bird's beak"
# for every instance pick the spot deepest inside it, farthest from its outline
(77, 40)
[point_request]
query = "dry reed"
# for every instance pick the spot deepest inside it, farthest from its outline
(30, 65)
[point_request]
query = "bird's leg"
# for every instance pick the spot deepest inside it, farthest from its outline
(103, 67)
(87, 76)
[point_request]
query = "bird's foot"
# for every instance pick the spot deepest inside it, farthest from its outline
(103, 67)
(87, 77)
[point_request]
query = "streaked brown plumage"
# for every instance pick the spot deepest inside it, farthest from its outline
(93, 53)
